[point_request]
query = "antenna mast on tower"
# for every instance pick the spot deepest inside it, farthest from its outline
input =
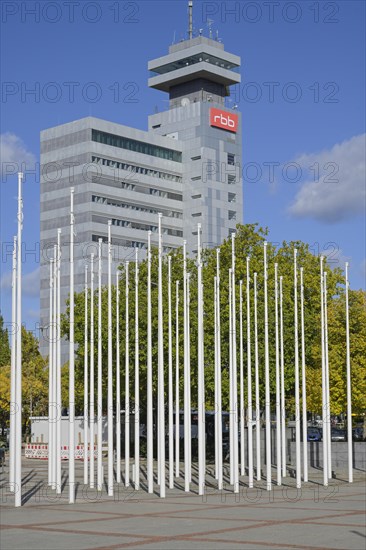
(190, 19)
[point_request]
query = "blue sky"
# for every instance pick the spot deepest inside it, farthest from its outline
(302, 99)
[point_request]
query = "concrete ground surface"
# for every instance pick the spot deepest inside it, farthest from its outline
(314, 517)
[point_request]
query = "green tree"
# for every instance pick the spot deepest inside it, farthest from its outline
(34, 382)
(337, 356)
(4, 344)
(248, 242)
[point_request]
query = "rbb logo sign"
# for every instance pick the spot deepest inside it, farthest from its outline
(223, 119)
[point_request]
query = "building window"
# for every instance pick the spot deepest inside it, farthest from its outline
(136, 146)
(130, 206)
(231, 197)
(196, 158)
(192, 60)
(196, 196)
(134, 169)
(136, 225)
(231, 159)
(196, 178)
(197, 215)
(127, 186)
(232, 215)
(231, 179)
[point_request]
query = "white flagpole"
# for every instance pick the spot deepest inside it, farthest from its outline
(99, 381)
(249, 380)
(283, 411)
(329, 445)
(349, 394)
(303, 371)
(54, 366)
(278, 404)
(137, 376)
(86, 381)
(91, 404)
(170, 377)
(118, 388)
(201, 376)
(219, 396)
(266, 369)
(187, 404)
(50, 378)
(324, 392)
(161, 427)
(215, 383)
(297, 387)
(177, 414)
(14, 335)
(256, 375)
(241, 381)
(71, 361)
(234, 378)
(18, 378)
(127, 385)
(231, 398)
(110, 371)
(58, 369)
(150, 450)
(189, 376)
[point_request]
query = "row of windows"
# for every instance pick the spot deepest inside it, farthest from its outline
(148, 210)
(141, 226)
(129, 244)
(165, 194)
(192, 60)
(136, 146)
(144, 189)
(231, 215)
(231, 197)
(136, 169)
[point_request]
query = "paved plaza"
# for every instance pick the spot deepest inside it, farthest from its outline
(311, 518)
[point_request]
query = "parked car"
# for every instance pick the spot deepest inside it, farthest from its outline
(338, 435)
(314, 434)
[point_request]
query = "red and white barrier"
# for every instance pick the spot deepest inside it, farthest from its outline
(40, 451)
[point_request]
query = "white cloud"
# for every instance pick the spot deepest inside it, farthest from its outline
(30, 283)
(14, 155)
(339, 192)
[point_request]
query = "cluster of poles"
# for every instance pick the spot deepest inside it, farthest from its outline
(241, 462)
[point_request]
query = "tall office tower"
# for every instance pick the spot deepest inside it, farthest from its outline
(186, 166)
(197, 74)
